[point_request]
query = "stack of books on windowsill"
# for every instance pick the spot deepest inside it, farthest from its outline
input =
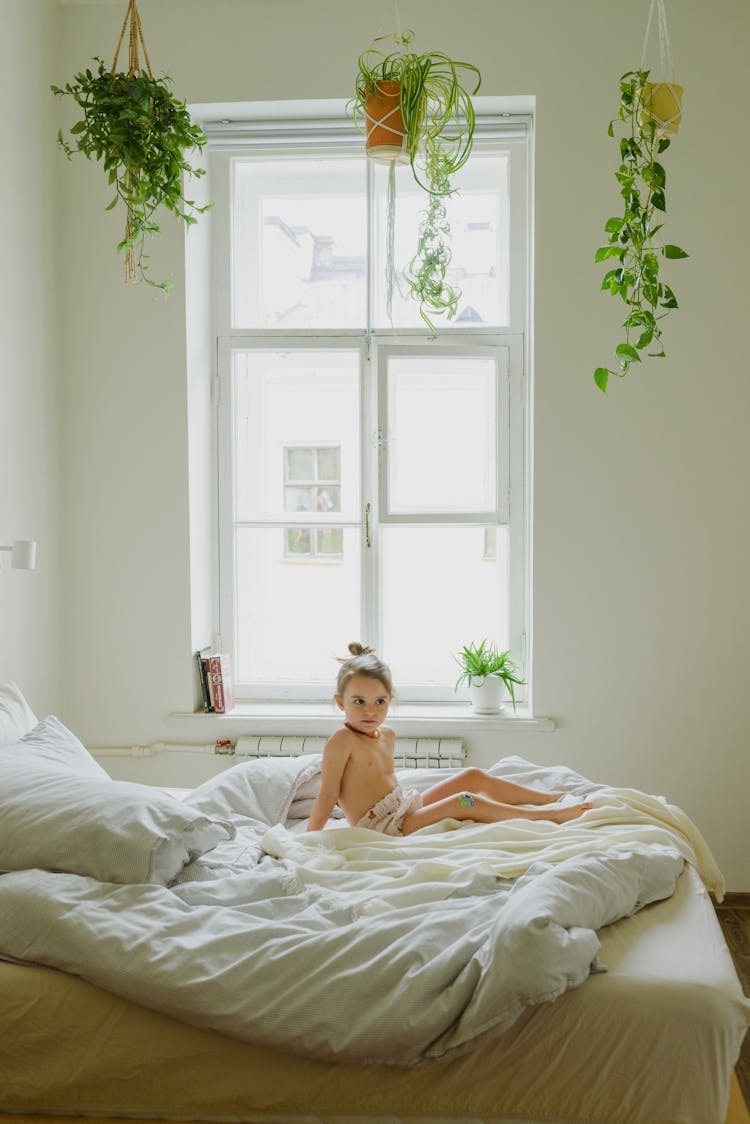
(215, 678)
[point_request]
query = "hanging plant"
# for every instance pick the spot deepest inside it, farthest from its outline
(426, 273)
(141, 133)
(650, 113)
(417, 108)
(635, 237)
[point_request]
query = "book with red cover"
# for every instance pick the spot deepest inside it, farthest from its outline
(220, 683)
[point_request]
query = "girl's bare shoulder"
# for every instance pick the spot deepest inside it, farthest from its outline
(339, 740)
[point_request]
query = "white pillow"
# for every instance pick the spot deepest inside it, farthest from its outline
(55, 817)
(16, 716)
(51, 743)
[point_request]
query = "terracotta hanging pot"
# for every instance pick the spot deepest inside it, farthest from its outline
(385, 136)
(662, 104)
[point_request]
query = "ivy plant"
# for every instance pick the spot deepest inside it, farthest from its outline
(634, 243)
(141, 133)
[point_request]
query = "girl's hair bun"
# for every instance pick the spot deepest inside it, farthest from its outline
(362, 661)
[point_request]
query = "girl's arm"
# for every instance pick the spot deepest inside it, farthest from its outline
(335, 758)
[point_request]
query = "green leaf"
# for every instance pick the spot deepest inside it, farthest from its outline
(601, 377)
(671, 251)
(624, 351)
(605, 252)
(113, 203)
(614, 226)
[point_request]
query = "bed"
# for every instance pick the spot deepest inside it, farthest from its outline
(225, 978)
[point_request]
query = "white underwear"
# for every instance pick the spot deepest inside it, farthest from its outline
(387, 816)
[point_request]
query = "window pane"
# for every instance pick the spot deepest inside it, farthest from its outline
(299, 541)
(439, 593)
(479, 242)
(328, 499)
(330, 540)
(328, 465)
(299, 464)
(294, 616)
(298, 499)
(442, 434)
(299, 245)
(304, 399)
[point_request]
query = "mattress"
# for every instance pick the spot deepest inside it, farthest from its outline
(651, 1040)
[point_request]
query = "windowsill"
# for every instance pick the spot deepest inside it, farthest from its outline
(425, 719)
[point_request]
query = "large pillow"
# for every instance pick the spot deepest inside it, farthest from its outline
(16, 716)
(51, 743)
(56, 817)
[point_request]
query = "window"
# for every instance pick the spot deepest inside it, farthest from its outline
(371, 479)
(312, 482)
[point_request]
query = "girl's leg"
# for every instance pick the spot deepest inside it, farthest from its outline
(502, 792)
(484, 810)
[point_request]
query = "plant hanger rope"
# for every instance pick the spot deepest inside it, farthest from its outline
(132, 16)
(665, 50)
(136, 33)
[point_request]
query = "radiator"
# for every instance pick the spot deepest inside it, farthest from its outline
(409, 753)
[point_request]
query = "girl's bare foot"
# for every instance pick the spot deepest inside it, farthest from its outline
(558, 815)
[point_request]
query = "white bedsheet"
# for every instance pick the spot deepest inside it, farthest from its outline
(265, 939)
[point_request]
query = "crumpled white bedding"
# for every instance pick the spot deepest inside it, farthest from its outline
(349, 945)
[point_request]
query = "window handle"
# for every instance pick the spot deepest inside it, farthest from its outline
(368, 509)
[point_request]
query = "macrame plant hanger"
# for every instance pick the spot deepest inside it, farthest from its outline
(132, 18)
(666, 94)
(390, 230)
(391, 153)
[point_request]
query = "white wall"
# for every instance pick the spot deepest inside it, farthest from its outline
(29, 444)
(640, 507)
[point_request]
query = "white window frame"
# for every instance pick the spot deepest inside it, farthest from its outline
(229, 139)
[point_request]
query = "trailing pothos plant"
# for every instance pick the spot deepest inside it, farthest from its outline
(634, 242)
(142, 134)
(438, 118)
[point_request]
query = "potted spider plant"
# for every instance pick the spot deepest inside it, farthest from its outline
(142, 134)
(489, 673)
(417, 108)
(634, 237)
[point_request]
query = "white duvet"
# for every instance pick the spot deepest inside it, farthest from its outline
(350, 945)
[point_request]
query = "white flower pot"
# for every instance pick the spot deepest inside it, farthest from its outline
(488, 695)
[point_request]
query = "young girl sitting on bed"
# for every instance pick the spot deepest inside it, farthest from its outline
(359, 774)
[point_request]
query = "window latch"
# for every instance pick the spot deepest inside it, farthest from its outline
(368, 509)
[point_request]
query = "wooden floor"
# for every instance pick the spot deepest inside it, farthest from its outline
(734, 917)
